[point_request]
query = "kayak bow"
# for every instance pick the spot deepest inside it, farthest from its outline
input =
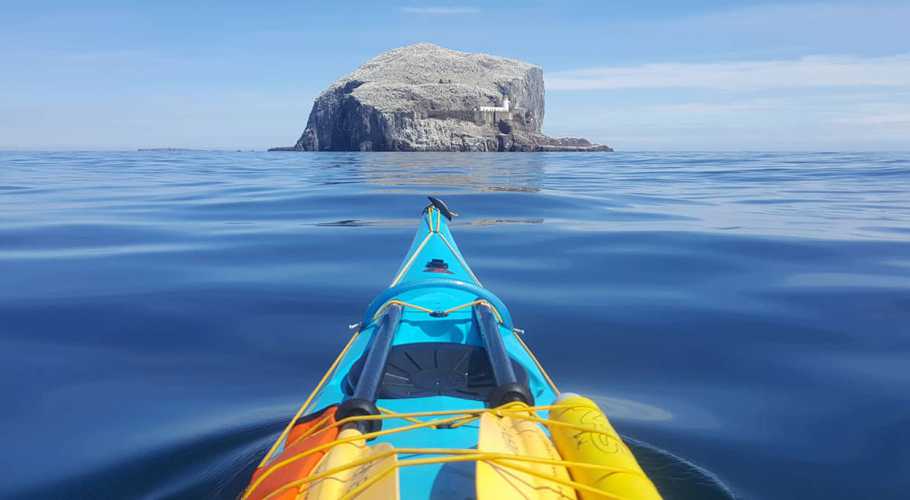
(436, 395)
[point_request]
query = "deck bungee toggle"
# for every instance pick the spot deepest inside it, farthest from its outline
(436, 395)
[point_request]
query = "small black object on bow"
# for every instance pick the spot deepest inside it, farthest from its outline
(442, 207)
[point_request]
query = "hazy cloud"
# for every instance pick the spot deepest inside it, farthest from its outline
(440, 11)
(885, 119)
(811, 71)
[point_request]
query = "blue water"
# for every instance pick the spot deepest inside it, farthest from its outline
(748, 315)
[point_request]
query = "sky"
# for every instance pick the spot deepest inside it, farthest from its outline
(647, 75)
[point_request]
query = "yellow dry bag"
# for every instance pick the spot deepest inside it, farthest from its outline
(619, 475)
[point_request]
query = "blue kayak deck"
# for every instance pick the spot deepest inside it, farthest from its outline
(434, 277)
(434, 480)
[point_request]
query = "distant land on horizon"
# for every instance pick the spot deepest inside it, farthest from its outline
(631, 151)
(195, 150)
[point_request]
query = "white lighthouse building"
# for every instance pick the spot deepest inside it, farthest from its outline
(497, 109)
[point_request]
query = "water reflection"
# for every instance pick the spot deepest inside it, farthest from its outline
(675, 477)
(476, 172)
(627, 409)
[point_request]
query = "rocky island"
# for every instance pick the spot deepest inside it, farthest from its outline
(428, 98)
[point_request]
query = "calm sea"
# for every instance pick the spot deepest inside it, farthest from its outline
(744, 318)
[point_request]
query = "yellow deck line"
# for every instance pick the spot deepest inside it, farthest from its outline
(536, 362)
(310, 398)
(461, 260)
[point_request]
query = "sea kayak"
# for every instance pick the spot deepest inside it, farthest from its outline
(436, 396)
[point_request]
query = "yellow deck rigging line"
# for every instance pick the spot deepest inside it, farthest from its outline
(433, 230)
(459, 455)
(407, 265)
(309, 432)
(309, 399)
(449, 418)
(459, 415)
(536, 362)
(445, 312)
(272, 468)
(456, 418)
(461, 260)
(456, 455)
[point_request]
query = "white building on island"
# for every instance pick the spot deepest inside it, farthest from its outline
(497, 109)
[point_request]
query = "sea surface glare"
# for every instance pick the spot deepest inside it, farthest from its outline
(742, 317)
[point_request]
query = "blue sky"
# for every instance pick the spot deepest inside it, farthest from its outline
(653, 75)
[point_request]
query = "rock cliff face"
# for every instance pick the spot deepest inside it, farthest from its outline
(427, 98)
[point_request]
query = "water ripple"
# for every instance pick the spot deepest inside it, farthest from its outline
(737, 311)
